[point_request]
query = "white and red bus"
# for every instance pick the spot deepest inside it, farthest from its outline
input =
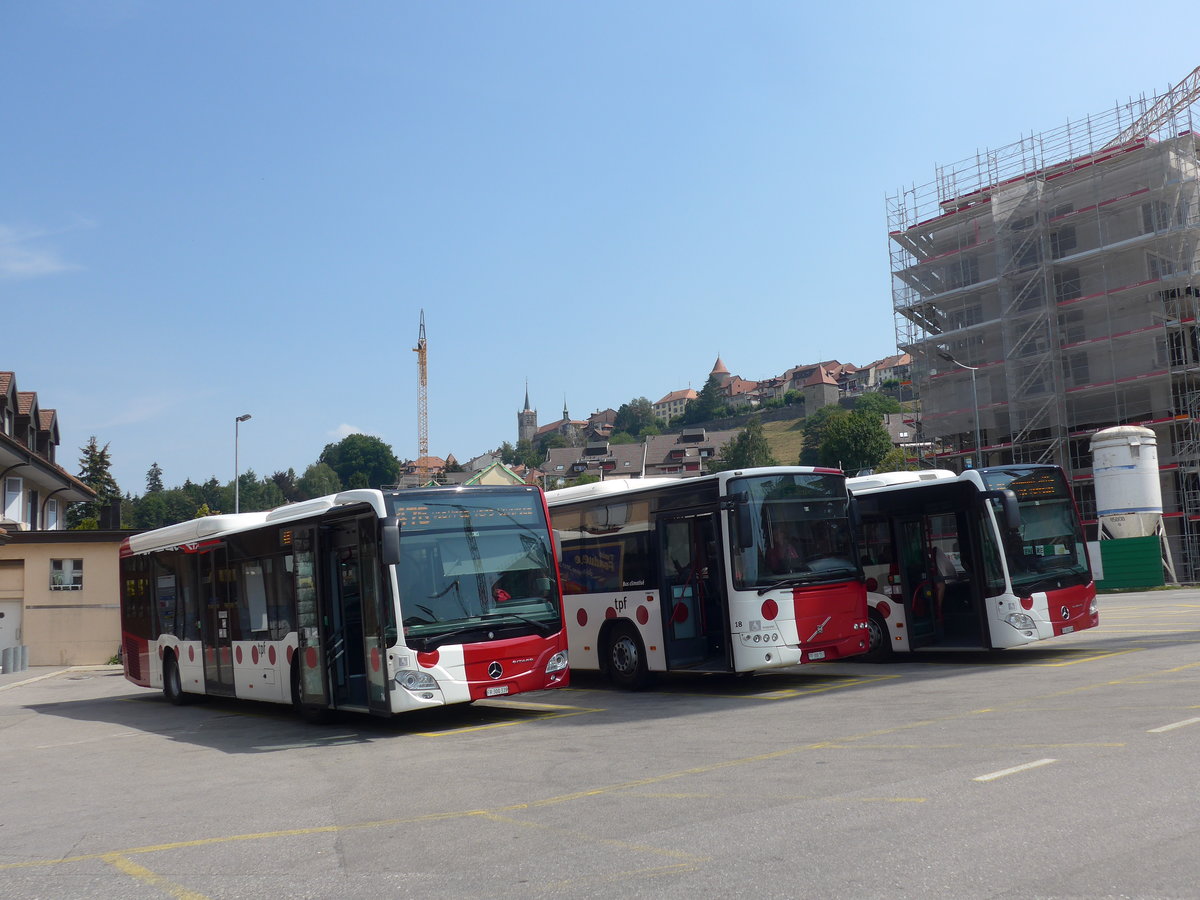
(366, 600)
(992, 558)
(734, 572)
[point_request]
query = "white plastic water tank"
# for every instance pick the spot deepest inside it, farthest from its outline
(1128, 493)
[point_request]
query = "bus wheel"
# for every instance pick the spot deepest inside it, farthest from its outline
(627, 659)
(879, 647)
(172, 686)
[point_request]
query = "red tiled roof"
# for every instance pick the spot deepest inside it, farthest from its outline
(687, 394)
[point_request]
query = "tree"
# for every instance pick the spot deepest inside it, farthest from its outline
(154, 482)
(528, 455)
(635, 417)
(875, 402)
(508, 453)
(250, 494)
(286, 482)
(551, 441)
(94, 471)
(855, 441)
(747, 450)
(814, 433)
(318, 480)
(895, 460)
(361, 460)
(709, 403)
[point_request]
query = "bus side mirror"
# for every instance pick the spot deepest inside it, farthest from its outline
(1010, 509)
(390, 541)
(745, 525)
(855, 513)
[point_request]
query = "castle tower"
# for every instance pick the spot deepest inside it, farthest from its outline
(720, 372)
(526, 420)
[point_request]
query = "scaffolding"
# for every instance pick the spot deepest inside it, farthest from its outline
(1063, 271)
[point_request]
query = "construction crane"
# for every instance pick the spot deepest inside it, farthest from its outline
(422, 399)
(1161, 111)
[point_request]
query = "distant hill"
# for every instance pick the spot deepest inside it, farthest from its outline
(786, 437)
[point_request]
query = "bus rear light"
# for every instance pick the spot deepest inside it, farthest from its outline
(872, 585)
(770, 609)
(883, 608)
(1026, 603)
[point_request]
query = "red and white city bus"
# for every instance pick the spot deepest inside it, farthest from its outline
(366, 600)
(734, 572)
(993, 558)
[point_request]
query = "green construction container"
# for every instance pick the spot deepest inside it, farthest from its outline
(1131, 564)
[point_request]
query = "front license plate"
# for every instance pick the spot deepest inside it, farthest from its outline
(817, 654)
(1067, 629)
(497, 690)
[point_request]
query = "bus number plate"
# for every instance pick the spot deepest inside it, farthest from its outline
(497, 690)
(816, 654)
(1068, 629)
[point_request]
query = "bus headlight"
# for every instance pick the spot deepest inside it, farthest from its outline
(1019, 621)
(412, 680)
(557, 663)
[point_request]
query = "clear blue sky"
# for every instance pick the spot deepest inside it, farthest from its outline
(208, 209)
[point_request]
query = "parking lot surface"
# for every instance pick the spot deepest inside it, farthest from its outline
(1067, 769)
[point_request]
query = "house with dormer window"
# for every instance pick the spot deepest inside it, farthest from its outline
(58, 588)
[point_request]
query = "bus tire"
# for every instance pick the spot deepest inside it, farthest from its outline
(172, 686)
(627, 658)
(879, 646)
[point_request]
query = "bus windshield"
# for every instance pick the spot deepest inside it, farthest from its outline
(791, 529)
(1050, 547)
(474, 564)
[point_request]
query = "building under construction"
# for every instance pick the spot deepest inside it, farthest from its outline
(1050, 288)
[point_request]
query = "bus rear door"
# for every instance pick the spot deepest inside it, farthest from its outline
(309, 685)
(218, 585)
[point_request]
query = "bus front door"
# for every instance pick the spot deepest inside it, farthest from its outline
(356, 653)
(217, 587)
(693, 617)
(917, 581)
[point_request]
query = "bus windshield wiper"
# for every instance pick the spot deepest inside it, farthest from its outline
(832, 573)
(543, 628)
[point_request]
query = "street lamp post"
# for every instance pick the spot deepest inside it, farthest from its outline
(237, 505)
(974, 401)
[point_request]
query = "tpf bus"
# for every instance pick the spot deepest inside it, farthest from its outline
(991, 558)
(733, 572)
(366, 600)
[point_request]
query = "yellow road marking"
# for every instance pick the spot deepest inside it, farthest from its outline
(144, 875)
